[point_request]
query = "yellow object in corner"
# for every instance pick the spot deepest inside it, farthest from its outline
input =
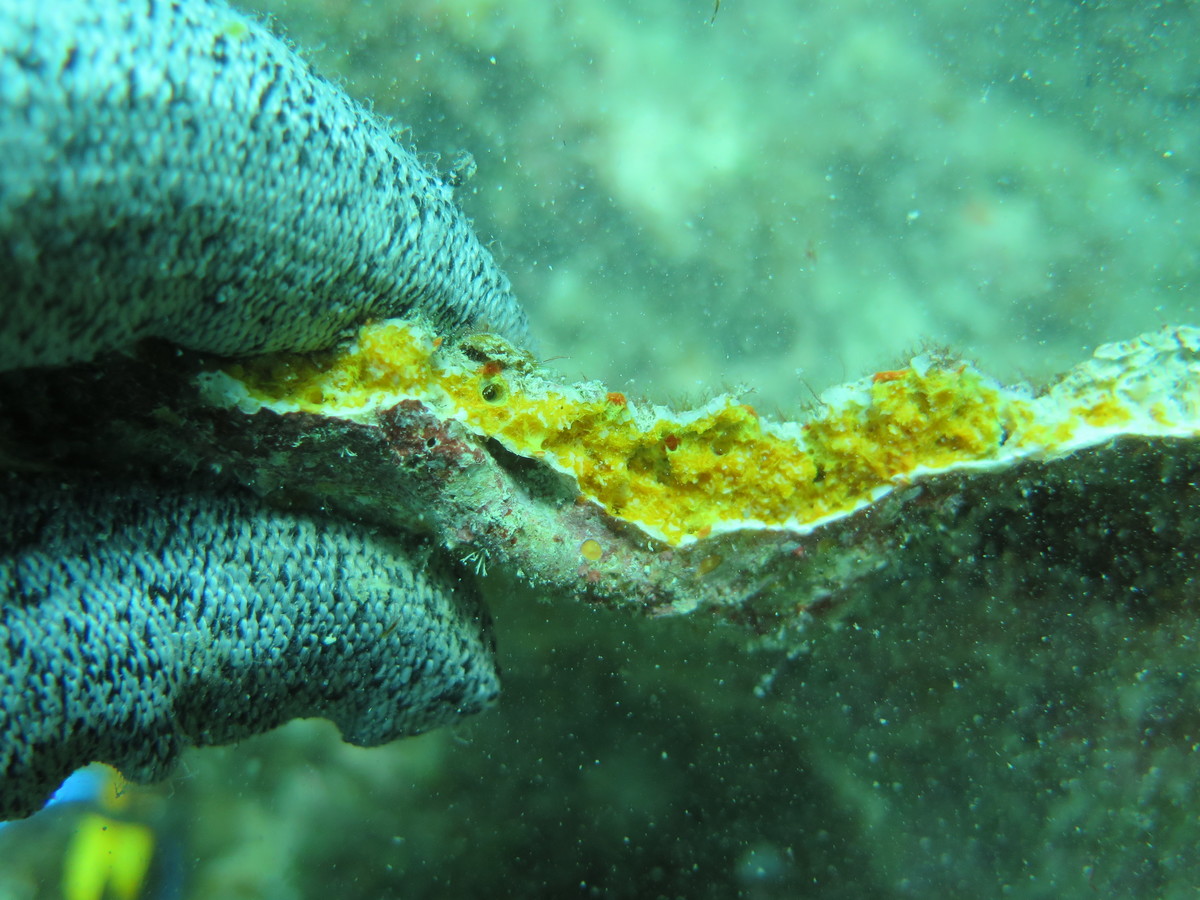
(107, 858)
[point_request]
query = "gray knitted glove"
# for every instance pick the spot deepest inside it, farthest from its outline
(133, 624)
(173, 170)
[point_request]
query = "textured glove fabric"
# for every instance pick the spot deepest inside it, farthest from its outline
(133, 624)
(172, 169)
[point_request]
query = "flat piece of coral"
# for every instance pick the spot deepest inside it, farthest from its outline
(682, 476)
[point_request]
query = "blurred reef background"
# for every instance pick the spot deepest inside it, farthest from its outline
(812, 187)
(774, 196)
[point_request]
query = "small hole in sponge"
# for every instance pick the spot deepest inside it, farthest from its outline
(493, 392)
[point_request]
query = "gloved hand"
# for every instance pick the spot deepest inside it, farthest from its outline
(173, 170)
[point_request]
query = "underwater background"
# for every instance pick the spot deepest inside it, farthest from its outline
(772, 196)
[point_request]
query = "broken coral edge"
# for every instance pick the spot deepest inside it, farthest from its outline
(681, 476)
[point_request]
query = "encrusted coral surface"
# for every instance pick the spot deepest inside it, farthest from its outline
(682, 476)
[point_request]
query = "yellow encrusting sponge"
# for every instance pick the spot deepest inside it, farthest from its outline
(681, 476)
